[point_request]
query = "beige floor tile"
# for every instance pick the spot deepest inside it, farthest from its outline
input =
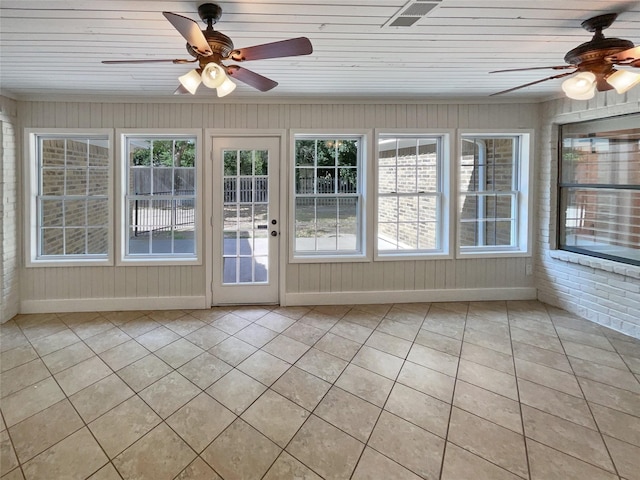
(67, 357)
(236, 391)
(617, 424)
(30, 401)
(275, 417)
(106, 340)
(325, 449)
(407, 313)
(593, 354)
(378, 362)
(139, 375)
(409, 445)
(178, 353)
(21, 377)
(626, 458)
(439, 342)
(321, 364)
(597, 340)
(488, 358)
(91, 327)
(276, 322)
(200, 421)
(348, 413)
(461, 464)
(603, 374)
(122, 317)
(416, 407)
(304, 333)
(198, 470)
(445, 322)
(500, 344)
(367, 385)
(632, 362)
(162, 443)
(488, 405)
(185, 325)
(294, 313)
(256, 335)
(124, 354)
(251, 313)
(548, 377)
(398, 329)
(232, 350)
(602, 394)
(301, 387)
(548, 358)
(204, 370)
(427, 381)
(489, 379)
(373, 465)
(241, 452)
(166, 316)
(51, 343)
(568, 437)
(535, 325)
(338, 346)
(108, 472)
(207, 337)
(169, 394)
(230, 323)
(120, 427)
(499, 329)
(139, 326)
(264, 367)
(288, 467)
(77, 456)
(550, 464)
(82, 375)
(488, 440)
(286, 348)
(16, 356)
(556, 403)
(102, 396)
(8, 459)
(433, 359)
(362, 318)
(389, 344)
(157, 338)
(210, 314)
(351, 331)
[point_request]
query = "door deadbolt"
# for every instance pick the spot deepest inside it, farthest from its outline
(274, 222)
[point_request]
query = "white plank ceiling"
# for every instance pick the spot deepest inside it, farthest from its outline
(55, 47)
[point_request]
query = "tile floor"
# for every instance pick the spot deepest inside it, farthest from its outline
(449, 391)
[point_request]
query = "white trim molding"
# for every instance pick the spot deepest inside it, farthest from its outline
(113, 304)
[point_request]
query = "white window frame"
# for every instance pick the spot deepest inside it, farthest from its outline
(365, 191)
(524, 196)
(446, 137)
(122, 135)
(31, 189)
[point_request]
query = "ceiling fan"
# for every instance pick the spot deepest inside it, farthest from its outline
(211, 48)
(594, 64)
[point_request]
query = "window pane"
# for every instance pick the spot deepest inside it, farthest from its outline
(52, 241)
(51, 213)
(305, 224)
(347, 223)
(162, 153)
(305, 152)
(230, 162)
(52, 181)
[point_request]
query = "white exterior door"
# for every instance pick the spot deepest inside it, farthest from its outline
(245, 220)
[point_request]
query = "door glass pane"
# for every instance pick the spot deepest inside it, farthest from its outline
(245, 233)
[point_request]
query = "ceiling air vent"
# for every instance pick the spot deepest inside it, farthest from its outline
(411, 13)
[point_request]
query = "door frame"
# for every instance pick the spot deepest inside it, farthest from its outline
(210, 134)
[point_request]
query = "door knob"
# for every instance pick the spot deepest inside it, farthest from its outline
(274, 233)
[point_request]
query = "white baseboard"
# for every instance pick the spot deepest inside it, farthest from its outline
(112, 304)
(412, 296)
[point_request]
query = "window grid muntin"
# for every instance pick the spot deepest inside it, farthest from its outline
(437, 193)
(63, 198)
(337, 195)
(174, 200)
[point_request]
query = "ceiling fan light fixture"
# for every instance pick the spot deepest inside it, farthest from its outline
(213, 75)
(623, 81)
(191, 81)
(226, 88)
(580, 87)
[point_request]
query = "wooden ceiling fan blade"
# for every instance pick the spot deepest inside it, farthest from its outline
(191, 32)
(158, 60)
(631, 56)
(533, 83)
(555, 67)
(251, 78)
(284, 48)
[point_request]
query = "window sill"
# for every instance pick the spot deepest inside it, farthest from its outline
(596, 263)
(158, 261)
(328, 258)
(67, 262)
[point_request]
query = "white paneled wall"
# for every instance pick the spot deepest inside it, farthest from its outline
(143, 287)
(599, 290)
(9, 218)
